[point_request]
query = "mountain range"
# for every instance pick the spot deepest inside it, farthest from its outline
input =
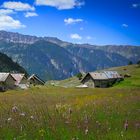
(51, 58)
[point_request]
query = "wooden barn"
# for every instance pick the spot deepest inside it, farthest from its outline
(35, 80)
(6, 82)
(95, 80)
(101, 79)
(21, 80)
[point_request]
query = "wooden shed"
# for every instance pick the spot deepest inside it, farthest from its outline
(35, 80)
(6, 81)
(95, 79)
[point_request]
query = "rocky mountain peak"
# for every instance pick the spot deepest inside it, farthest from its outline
(17, 38)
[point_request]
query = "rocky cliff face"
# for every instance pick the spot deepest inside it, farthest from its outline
(52, 58)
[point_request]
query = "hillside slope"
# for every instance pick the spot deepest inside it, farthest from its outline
(133, 81)
(7, 65)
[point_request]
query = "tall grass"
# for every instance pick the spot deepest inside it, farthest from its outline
(53, 113)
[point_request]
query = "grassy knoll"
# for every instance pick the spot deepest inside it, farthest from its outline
(134, 80)
(57, 113)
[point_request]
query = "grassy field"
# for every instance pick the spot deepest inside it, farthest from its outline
(57, 113)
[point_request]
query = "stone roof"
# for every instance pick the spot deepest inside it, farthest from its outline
(98, 75)
(112, 74)
(105, 75)
(3, 76)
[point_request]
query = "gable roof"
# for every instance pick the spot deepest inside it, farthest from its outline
(112, 74)
(98, 75)
(37, 78)
(4, 76)
(18, 77)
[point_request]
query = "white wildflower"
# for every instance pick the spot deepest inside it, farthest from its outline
(9, 119)
(32, 117)
(22, 114)
(14, 109)
(86, 131)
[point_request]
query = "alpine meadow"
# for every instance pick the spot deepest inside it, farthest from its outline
(69, 70)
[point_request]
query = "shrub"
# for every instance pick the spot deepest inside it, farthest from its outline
(79, 76)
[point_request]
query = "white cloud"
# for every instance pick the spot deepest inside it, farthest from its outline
(31, 14)
(135, 5)
(60, 4)
(7, 22)
(75, 36)
(125, 25)
(18, 6)
(72, 21)
(6, 11)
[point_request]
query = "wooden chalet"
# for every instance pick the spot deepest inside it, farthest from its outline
(6, 81)
(101, 79)
(35, 80)
(21, 80)
(95, 79)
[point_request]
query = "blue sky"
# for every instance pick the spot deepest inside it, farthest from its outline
(100, 22)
